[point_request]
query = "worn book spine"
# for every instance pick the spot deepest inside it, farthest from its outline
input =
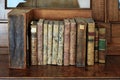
(91, 38)
(81, 43)
(40, 41)
(66, 42)
(72, 41)
(55, 43)
(96, 45)
(50, 27)
(34, 60)
(102, 45)
(60, 45)
(45, 42)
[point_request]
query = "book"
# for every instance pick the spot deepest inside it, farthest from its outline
(40, 41)
(50, 30)
(90, 41)
(61, 41)
(45, 42)
(81, 42)
(33, 43)
(102, 44)
(96, 45)
(72, 41)
(66, 42)
(55, 43)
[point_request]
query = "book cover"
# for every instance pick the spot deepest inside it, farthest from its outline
(40, 41)
(55, 43)
(50, 30)
(61, 41)
(66, 42)
(33, 26)
(90, 41)
(45, 42)
(72, 41)
(102, 44)
(81, 42)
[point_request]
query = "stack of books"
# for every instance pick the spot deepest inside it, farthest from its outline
(75, 41)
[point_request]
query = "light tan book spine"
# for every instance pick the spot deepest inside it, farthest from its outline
(91, 37)
(55, 43)
(60, 45)
(67, 42)
(40, 41)
(45, 54)
(72, 41)
(50, 27)
(33, 43)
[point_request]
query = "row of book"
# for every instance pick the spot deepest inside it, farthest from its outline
(67, 42)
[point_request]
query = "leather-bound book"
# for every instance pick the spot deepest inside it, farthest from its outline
(55, 43)
(45, 42)
(72, 41)
(50, 30)
(40, 41)
(81, 42)
(33, 26)
(102, 44)
(66, 42)
(61, 41)
(90, 41)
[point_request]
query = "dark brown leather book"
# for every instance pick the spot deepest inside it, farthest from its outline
(81, 42)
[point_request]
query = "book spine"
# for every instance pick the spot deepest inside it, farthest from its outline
(90, 51)
(33, 45)
(102, 44)
(66, 42)
(50, 27)
(45, 42)
(72, 42)
(40, 41)
(60, 45)
(96, 45)
(55, 43)
(81, 46)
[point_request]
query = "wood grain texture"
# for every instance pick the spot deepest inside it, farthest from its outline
(98, 8)
(113, 11)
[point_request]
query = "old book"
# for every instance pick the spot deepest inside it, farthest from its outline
(33, 26)
(55, 43)
(67, 42)
(81, 42)
(45, 42)
(72, 41)
(102, 45)
(96, 45)
(50, 30)
(40, 41)
(61, 41)
(90, 41)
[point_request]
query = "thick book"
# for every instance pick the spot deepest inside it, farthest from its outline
(72, 41)
(66, 42)
(60, 44)
(33, 26)
(81, 42)
(40, 41)
(102, 44)
(50, 30)
(90, 41)
(45, 42)
(55, 43)
(96, 45)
